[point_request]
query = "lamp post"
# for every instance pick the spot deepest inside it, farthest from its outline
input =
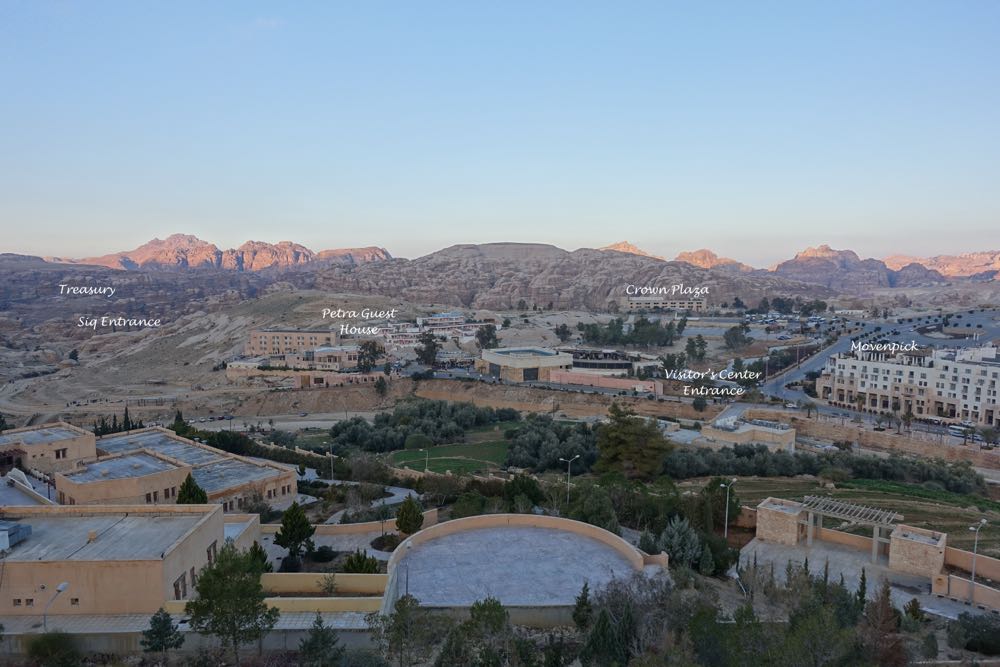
(569, 463)
(725, 527)
(975, 548)
(45, 613)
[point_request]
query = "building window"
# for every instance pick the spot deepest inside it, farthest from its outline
(156, 496)
(74, 602)
(17, 602)
(166, 493)
(61, 453)
(29, 602)
(211, 553)
(149, 498)
(194, 578)
(180, 588)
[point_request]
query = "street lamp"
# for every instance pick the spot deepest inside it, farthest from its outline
(427, 458)
(569, 463)
(725, 527)
(975, 547)
(45, 613)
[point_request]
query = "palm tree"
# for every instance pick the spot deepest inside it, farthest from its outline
(860, 400)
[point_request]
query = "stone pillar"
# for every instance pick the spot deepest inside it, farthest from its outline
(876, 533)
(810, 523)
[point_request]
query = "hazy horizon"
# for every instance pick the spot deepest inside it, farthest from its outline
(752, 131)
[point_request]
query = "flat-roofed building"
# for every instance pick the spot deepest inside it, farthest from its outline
(123, 559)
(776, 436)
(149, 465)
(326, 358)
(269, 342)
(45, 448)
(523, 364)
(123, 479)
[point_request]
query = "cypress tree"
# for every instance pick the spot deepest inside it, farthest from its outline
(190, 493)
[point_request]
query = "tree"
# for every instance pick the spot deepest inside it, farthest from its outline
(162, 634)
(321, 646)
(381, 387)
(735, 338)
(631, 445)
(369, 352)
(699, 403)
(74, 354)
(880, 631)
(190, 493)
(427, 349)
(230, 603)
(680, 541)
(259, 555)
(706, 565)
(583, 610)
(296, 532)
(593, 505)
(408, 634)
(410, 517)
(486, 337)
(861, 596)
(563, 332)
(360, 563)
(603, 646)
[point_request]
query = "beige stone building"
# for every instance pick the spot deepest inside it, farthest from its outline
(776, 436)
(149, 465)
(952, 384)
(125, 559)
(45, 448)
(523, 364)
(269, 342)
(662, 302)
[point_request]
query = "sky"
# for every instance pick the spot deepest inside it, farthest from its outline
(754, 129)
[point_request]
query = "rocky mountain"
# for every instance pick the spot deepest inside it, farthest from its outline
(844, 271)
(183, 251)
(499, 275)
(626, 247)
(707, 259)
(977, 265)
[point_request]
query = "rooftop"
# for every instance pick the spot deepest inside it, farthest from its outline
(119, 536)
(38, 436)
(227, 473)
(161, 443)
(130, 465)
(524, 352)
(14, 495)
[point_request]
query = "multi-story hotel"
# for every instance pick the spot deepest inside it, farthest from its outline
(958, 384)
(662, 302)
(266, 342)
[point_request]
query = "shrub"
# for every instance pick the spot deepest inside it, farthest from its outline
(54, 649)
(418, 441)
(323, 554)
(360, 563)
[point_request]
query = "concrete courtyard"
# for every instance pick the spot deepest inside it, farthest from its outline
(526, 566)
(849, 562)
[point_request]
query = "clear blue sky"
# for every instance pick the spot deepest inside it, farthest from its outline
(754, 129)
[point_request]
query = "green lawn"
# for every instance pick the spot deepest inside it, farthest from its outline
(458, 458)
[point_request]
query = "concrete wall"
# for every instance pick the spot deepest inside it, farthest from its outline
(847, 539)
(957, 588)
(986, 567)
(191, 551)
(309, 583)
(775, 440)
(592, 380)
(916, 551)
(882, 440)
(308, 605)
(430, 519)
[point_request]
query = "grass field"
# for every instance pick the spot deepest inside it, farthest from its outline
(458, 458)
(937, 510)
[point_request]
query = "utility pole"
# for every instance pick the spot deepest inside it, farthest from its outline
(569, 463)
(725, 527)
(975, 548)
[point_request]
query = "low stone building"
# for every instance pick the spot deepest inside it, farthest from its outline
(46, 448)
(523, 364)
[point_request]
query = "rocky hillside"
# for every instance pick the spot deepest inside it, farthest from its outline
(707, 259)
(978, 265)
(499, 275)
(183, 251)
(844, 271)
(626, 247)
